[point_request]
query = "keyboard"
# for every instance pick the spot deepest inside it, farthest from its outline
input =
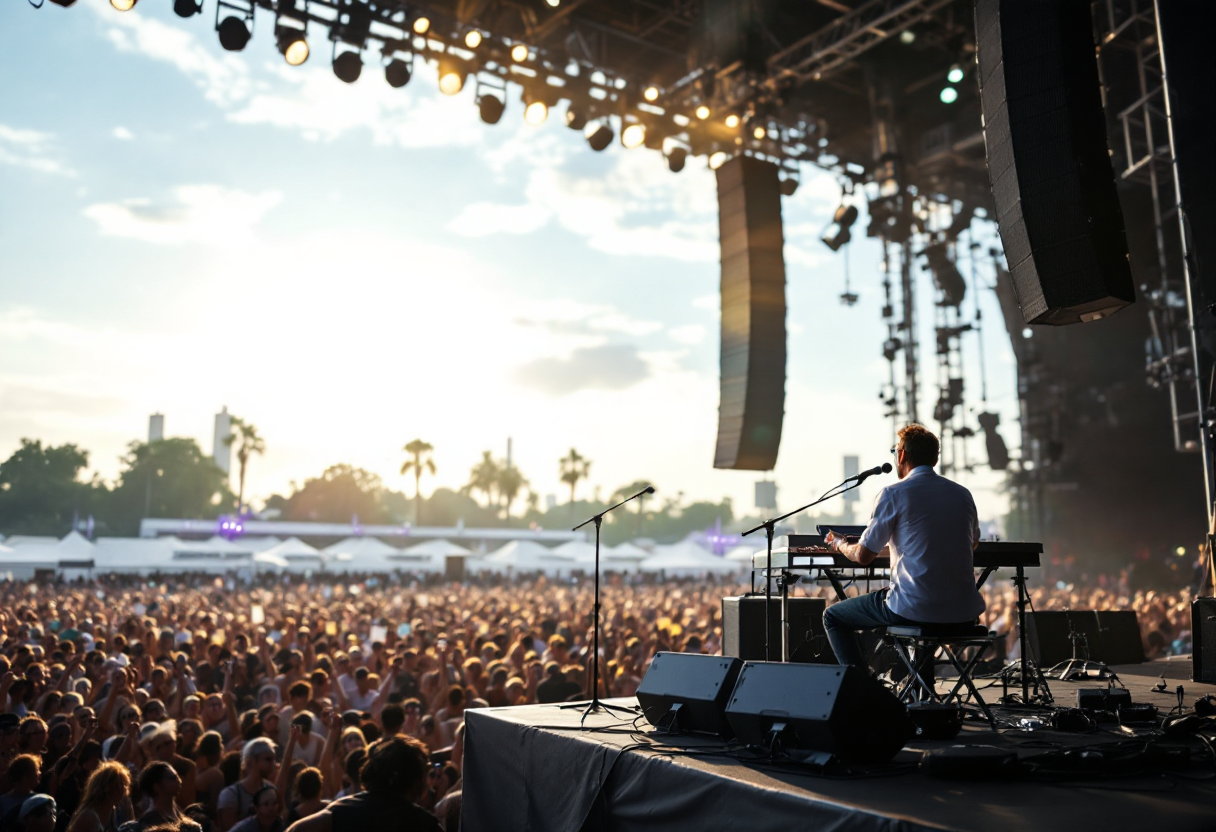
(809, 551)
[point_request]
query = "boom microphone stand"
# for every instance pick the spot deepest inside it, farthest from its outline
(768, 526)
(595, 704)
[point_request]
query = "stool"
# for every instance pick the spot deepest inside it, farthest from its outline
(947, 640)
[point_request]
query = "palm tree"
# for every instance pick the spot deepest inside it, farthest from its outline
(574, 467)
(484, 477)
(417, 463)
(510, 481)
(250, 444)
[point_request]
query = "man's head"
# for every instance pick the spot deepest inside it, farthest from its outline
(159, 779)
(24, 772)
(396, 766)
(392, 717)
(299, 694)
(915, 446)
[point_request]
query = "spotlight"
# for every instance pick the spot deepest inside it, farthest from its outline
(187, 8)
(907, 36)
(788, 186)
(491, 107)
(702, 112)
(998, 452)
(599, 137)
(717, 160)
(676, 158)
(553, 4)
(234, 33)
(472, 39)
(536, 112)
(451, 76)
(123, 5)
(397, 73)
(422, 25)
(292, 45)
(838, 232)
(651, 93)
(575, 119)
(955, 74)
(633, 136)
(519, 53)
(348, 66)
(732, 121)
(759, 132)
(948, 95)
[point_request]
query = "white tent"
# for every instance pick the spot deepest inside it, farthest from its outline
(265, 562)
(359, 554)
(261, 544)
(299, 556)
(524, 556)
(431, 556)
(20, 563)
(687, 559)
(137, 555)
(623, 558)
(742, 553)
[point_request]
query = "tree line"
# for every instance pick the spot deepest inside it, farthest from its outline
(44, 491)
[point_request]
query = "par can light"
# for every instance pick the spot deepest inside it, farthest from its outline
(491, 107)
(123, 5)
(187, 8)
(397, 73)
(234, 33)
(599, 136)
(348, 66)
(633, 136)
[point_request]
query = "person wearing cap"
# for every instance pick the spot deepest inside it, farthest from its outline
(37, 813)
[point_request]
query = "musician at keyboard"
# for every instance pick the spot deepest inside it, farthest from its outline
(931, 528)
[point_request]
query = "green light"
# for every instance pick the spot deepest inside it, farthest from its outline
(955, 74)
(949, 95)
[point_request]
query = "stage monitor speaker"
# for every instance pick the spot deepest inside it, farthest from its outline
(835, 709)
(1057, 208)
(743, 629)
(1203, 640)
(1048, 636)
(688, 692)
(752, 382)
(1119, 639)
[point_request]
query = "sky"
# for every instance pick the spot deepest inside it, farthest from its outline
(350, 267)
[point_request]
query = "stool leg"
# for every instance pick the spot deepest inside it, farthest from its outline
(965, 679)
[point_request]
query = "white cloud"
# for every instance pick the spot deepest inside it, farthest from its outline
(482, 218)
(691, 334)
(198, 214)
(30, 149)
(123, 134)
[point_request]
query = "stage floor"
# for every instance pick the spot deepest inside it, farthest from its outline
(531, 768)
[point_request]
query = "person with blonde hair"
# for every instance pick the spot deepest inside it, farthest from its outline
(258, 767)
(107, 788)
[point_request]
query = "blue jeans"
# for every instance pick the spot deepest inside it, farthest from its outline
(865, 612)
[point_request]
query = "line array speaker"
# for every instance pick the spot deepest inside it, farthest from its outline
(1048, 160)
(752, 404)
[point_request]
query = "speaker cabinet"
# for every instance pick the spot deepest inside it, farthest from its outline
(752, 403)
(688, 692)
(835, 709)
(1048, 635)
(1203, 635)
(1119, 639)
(743, 629)
(1052, 180)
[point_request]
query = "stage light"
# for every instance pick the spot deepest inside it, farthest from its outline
(759, 132)
(293, 46)
(998, 453)
(1180, 551)
(788, 187)
(490, 108)
(955, 74)
(717, 160)
(186, 8)
(838, 233)
(422, 25)
(651, 93)
(472, 39)
(348, 66)
(123, 5)
(536, 112)
(599, 137)
(907, 36)
(702, 112)
(397, 73)
(633, 136)
(451, 77)
(519, 53)
(676, 158)
(732, 121)
(234, 33)
(949, 95)
(553, 4)
(575, 119)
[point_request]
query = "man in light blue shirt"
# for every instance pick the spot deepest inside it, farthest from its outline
(929, 524)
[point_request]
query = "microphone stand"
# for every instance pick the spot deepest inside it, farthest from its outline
(595, 704)
(768, 526)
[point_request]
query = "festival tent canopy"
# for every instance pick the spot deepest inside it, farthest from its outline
(261, 544)
(687, 559)
(742, 553)
(266, 562)
(524, 556)
(299, 556)
(430, 556)
(360, 554)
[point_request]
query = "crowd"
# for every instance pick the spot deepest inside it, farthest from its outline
(201, 703)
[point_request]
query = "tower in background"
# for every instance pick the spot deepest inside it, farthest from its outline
(156, 428)
(221, 451)
(852, 466)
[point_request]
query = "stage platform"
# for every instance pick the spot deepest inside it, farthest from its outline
(532, 768)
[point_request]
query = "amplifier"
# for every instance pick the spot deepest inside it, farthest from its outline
(743, 629)
(1103, 699)
(1203, 635)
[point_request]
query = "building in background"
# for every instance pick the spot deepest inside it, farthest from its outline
(221, 450)
(156, 427)
(852, 467)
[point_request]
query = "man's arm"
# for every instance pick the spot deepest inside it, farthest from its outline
(853, 551)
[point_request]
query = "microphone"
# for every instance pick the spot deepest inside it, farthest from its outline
(649, 489)
(885, 468)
